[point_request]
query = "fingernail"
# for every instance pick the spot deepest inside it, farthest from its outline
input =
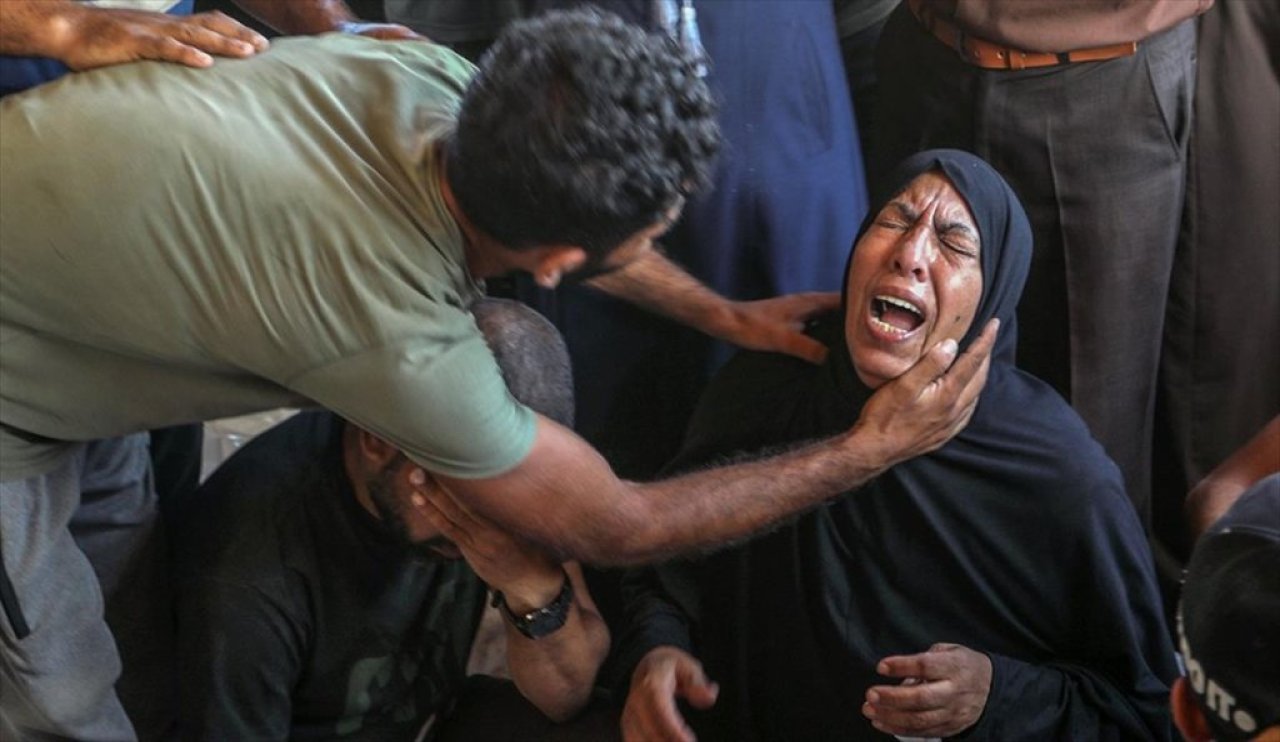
(418, 500)
(949, 346)
(883, 668)
(873, 697)
(418, 477)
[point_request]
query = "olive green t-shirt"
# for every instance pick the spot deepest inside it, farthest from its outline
(180, 244)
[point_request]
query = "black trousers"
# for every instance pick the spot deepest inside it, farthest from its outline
(1097, 154)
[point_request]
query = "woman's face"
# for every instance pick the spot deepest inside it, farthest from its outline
(915, 279)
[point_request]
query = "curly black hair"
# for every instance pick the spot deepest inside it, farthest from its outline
(580, 129)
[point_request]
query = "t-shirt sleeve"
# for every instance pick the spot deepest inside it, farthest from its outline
(445, 405)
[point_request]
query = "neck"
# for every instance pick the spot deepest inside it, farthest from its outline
(483, 254)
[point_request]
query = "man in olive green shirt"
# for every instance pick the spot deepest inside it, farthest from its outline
(308, 227)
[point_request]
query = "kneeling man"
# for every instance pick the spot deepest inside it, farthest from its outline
(316, 602)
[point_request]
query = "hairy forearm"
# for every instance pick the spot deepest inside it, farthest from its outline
(564, 497)
(299, 16)
(35, 27)
(557, 672)
(709, 508)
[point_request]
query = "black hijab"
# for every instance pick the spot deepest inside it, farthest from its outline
(1015, 539)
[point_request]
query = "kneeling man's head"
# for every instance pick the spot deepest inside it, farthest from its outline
(534, 363)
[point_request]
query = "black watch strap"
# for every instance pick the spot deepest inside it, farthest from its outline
(540, 622)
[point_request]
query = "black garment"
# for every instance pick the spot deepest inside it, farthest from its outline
(1097, 154)
(1014, 539)
(300, 616)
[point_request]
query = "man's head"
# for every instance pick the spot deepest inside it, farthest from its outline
(915, 279)
(580, 130)
(535, 364)
(1229, 625)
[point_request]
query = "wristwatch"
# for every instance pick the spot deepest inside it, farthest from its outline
(540, 622)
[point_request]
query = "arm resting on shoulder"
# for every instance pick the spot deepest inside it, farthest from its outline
(84, 36)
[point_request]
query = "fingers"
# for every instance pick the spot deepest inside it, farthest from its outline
(642, 722)
(212, 43)
(930, 367)
(168, 49)
(911, 697)
(106, 37)
(970, 370)
(234, 38)
(930, 722)
(651, 713)
(443, 513)
(692, 684)
(943, 692)
(809, 305)
(803, 347)
(939, 662)
(908, 666)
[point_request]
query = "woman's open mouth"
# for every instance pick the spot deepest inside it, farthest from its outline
(895, 317)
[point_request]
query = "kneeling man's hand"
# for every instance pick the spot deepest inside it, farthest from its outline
(943, 692)
(665, 674)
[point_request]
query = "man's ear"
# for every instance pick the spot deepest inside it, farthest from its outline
(1186, 713)
(375, 453)
(553, 262)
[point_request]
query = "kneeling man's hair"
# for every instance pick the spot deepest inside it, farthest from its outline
(531, 355)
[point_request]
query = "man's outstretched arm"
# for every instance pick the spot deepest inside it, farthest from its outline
(655, 283)
(565, 497)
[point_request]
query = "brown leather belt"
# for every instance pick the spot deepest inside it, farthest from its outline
(991, 56)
